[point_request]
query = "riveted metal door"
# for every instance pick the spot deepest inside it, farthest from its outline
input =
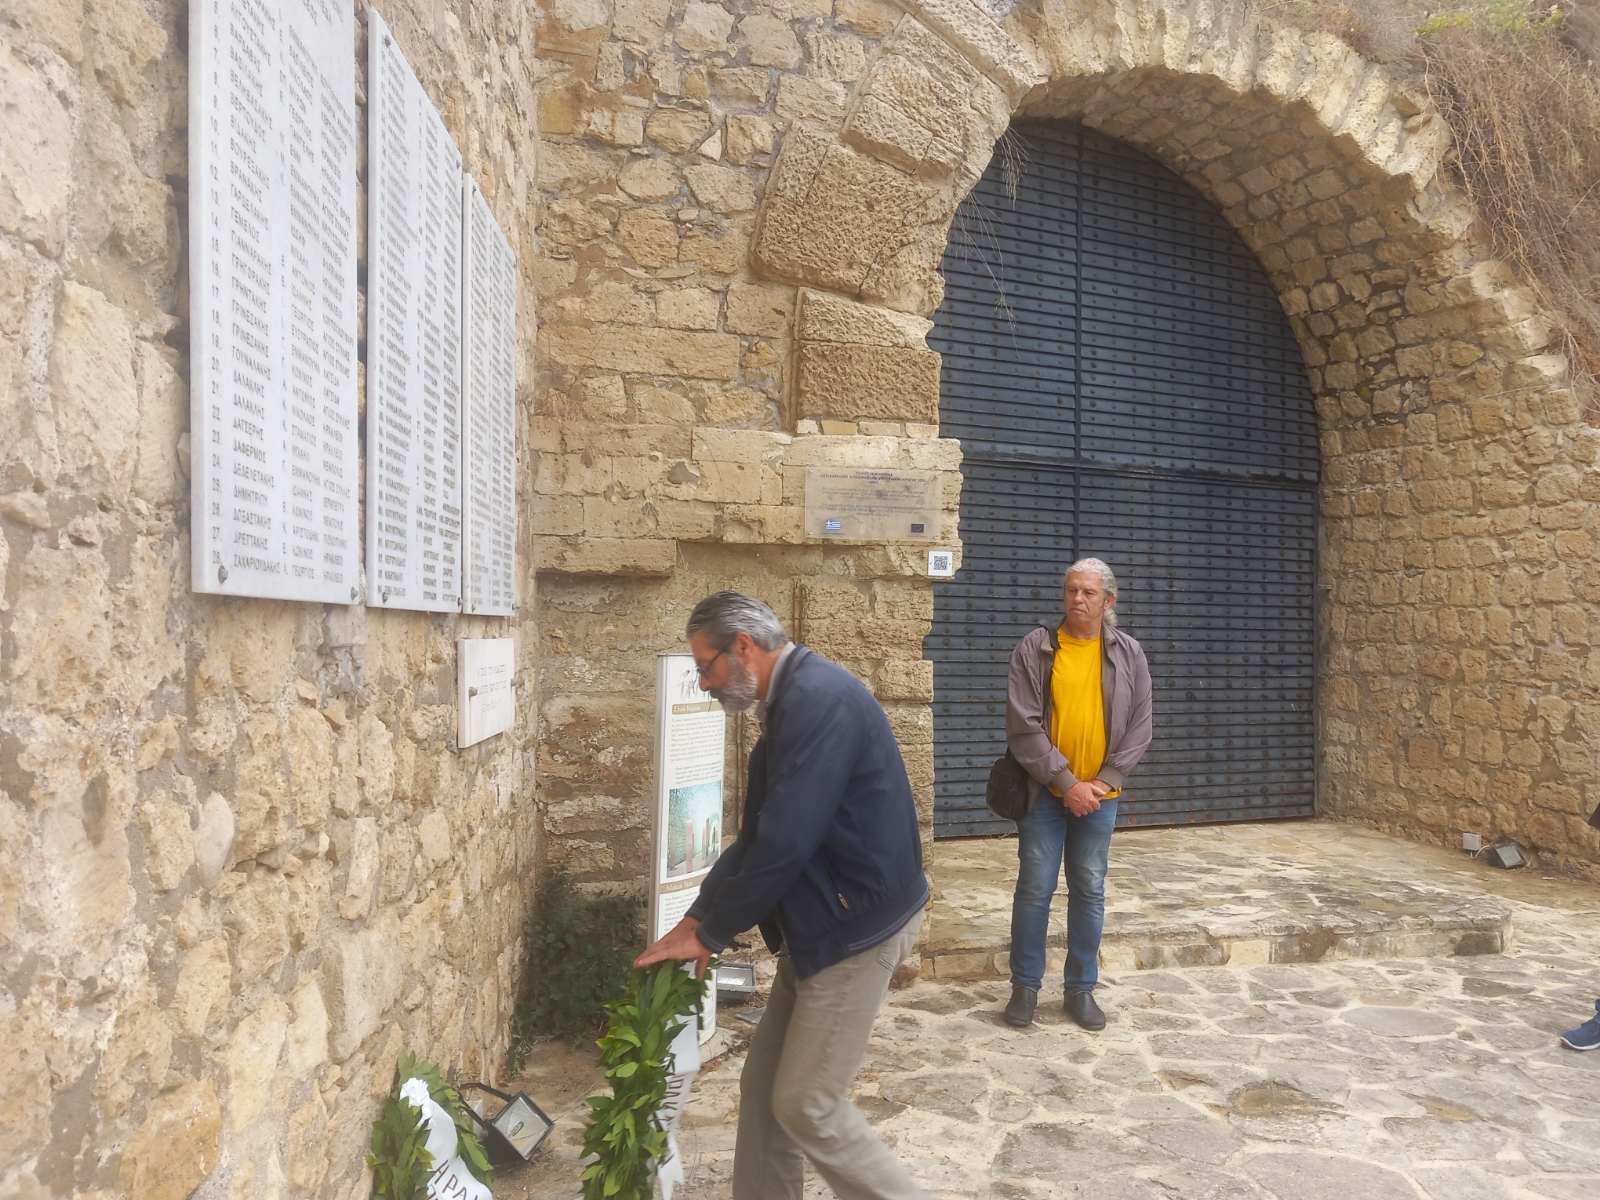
(1125, 385)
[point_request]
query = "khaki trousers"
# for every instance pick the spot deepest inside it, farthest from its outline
(794, 1093)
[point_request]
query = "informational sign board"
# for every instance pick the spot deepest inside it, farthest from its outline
(272, 286)
(414, 323)
(691, 752)
(489, 406)
(879, 504)
(486, 702)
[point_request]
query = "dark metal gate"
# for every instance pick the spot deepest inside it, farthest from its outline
(1125, 385)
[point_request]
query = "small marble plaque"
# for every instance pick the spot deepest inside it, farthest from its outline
(486, 697)
(872, 504)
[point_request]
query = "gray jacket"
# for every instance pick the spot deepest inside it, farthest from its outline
(1124, 687)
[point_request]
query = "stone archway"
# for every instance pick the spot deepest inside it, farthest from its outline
(1457, 531)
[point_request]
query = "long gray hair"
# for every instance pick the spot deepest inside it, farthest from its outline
(1108, 581)
(723, 616)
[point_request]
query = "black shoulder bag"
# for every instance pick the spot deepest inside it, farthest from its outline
(1010, 790)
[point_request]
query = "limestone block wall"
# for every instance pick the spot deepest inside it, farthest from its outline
(241, 865)
(746, 205)
(688, 381)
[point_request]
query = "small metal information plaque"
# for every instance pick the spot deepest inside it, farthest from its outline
(871, 504)
(486, 701)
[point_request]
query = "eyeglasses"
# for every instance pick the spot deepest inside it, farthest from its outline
(704, 669)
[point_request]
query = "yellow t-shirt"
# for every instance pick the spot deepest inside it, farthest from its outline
(1077, 707)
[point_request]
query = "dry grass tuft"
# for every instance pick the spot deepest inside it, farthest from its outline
(1518, 84)
(1526, 116)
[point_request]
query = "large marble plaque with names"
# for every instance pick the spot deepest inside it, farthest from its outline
(413, 339)
(272, 205)
(872, 504)
(489, 437)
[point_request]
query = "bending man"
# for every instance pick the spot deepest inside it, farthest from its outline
(1093, 682)
(829, 863)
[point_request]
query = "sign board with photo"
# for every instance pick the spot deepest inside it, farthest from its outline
(691, 751)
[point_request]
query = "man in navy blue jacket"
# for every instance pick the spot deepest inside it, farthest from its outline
(828, 863)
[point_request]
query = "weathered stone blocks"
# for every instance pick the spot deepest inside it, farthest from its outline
(176, 1147)
(869, 382)
(649, 351)
(832, 215)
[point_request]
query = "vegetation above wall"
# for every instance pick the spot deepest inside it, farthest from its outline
(1518, 84)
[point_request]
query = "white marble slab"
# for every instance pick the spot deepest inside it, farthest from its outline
(272, 203)
(489, 440)
(486, 701)
(414, 320)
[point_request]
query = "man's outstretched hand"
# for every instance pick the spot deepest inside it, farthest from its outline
(678, 944)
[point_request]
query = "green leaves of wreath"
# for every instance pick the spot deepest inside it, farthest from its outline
(400, 1160)
(623, 1131)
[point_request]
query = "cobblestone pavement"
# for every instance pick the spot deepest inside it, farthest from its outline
(1423, 1078)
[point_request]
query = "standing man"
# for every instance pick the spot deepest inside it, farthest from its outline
(1078, 720)
(829, 863)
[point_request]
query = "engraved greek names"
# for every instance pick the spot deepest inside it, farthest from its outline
(489, 444)
(413, 340)
(272, 197)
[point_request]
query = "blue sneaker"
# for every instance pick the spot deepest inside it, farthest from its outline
(1585, 1036)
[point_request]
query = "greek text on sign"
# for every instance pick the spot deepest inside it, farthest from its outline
(272, 284)
(485, 695)
(872, 504)
(413, 340)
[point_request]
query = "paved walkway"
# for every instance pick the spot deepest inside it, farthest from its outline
(1424, 1078)
(1240, 895)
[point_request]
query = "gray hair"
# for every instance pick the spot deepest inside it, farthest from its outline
(1108, 582)
(723, 616)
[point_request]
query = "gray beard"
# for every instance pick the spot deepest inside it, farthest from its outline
(739, 694)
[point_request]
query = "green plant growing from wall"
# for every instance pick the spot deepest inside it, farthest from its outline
(623, 1131)
(577, 951)
(399, 1155)
(1509, 17)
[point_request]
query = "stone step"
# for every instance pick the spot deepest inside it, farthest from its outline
(1241, 895)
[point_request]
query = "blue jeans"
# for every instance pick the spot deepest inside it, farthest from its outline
(1048, 838)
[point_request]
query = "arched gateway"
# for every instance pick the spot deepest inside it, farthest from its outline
(1124, 383)
(1451, 537)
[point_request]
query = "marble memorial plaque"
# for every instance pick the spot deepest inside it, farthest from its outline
(872, 504)
(489, 439)
(485, 695)
(272, 284)
(413, 340)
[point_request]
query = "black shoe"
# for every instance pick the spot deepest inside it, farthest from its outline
(1080, 1006)
(1019, 1010)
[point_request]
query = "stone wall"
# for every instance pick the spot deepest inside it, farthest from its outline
(746, 205)
(242, 865)
(687, 384)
